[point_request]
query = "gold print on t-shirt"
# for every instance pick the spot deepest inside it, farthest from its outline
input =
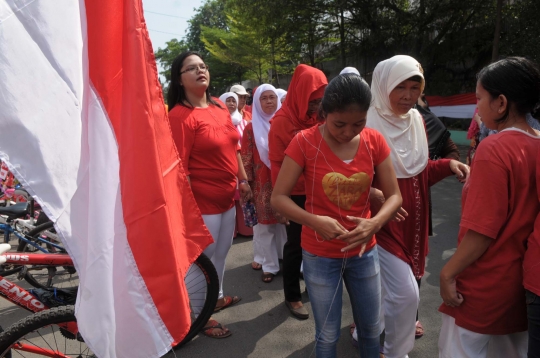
(343, 191)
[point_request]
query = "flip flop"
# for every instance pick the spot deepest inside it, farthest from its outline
(229, 301)
(267, 277)
(256, 266)
(207, 331)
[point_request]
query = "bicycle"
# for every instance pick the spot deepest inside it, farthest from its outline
(42, 238)
(36, 334)
(60, 324)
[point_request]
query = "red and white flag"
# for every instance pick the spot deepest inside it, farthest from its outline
(84, 128)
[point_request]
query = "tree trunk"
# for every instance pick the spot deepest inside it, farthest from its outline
(496, 37)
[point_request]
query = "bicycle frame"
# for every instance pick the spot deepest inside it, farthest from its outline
(8, 229)
(24, 299)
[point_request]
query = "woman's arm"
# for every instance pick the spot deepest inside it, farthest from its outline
(290, 171)
(243, 186)
(469, 250)
(366, 228)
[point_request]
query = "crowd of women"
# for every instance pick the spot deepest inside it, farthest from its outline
(339, 174)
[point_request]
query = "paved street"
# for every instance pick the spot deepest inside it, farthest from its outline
(262, 325)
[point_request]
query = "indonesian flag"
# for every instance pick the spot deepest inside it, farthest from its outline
(84, 128)
(456, 106)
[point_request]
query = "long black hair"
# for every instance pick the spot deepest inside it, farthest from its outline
(176, 93)
(344, 91)
(518, 79)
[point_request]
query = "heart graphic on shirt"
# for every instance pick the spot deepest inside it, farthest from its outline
(343, 191)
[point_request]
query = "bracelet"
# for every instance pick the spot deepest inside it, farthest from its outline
(243, 181)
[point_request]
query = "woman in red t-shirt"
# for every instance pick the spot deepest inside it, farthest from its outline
(207, 142)
(484, 311)
(338, 160)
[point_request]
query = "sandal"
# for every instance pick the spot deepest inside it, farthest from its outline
(228, 302)
(208, 330)
(256, 266)
(419, 330)
(267, 277)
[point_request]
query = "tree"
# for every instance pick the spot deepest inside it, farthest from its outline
(166, 56)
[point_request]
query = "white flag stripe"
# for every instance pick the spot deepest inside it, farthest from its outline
(459, 111)
(65, 153)
(36, 91)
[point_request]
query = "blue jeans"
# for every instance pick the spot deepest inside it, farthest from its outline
(533, 316)
(325, 286)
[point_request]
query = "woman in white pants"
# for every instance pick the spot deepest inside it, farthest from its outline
(207, 142)
(268, 235)
(396, 86)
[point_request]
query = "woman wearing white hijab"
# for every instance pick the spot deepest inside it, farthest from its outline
(231, 101)
(397, 84)
(281, 94)
(268, 235)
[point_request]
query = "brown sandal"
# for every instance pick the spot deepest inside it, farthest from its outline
(207, 331)
(256, 266)
(228, 301)
(267, 277)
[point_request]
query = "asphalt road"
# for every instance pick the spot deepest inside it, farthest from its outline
(262, 325)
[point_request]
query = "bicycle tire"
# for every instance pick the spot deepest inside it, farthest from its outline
(202, 284)
(8, 354)
(44, 276)
(37, 328)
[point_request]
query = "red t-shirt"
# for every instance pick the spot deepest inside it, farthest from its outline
(207, 142)
(323, 185)
(500, 201)
(531, 263)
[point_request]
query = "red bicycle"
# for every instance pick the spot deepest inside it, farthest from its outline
(52, 331)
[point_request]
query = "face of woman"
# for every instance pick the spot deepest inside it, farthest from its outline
(344, 126)
(489, 109)
(194, 74)
(313, 106)
(283, 98)
(404, 96)
(231, 104)
(268, 101)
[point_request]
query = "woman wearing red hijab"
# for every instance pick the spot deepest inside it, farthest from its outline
(298, 112)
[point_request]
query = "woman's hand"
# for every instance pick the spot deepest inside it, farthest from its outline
(281, 219)
(376, 201)
(461, 170)
(361, 235)
(449, 294)
(245, 191)
(327, 227)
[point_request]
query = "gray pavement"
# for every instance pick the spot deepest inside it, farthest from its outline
(262, 325)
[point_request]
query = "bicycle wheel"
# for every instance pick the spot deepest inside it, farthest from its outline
(39, 335)
(45, 276)
(202, 284)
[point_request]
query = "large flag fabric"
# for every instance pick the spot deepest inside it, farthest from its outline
(84, 128)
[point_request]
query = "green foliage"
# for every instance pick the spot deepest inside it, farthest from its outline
(166, 56)
(452, 39)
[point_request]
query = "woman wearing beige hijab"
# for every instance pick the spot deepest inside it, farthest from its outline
(403, 246)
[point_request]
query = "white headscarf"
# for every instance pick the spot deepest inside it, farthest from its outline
(261, 122)
(236, 117)
(404, 134)
(281, 93)
(350, 70)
